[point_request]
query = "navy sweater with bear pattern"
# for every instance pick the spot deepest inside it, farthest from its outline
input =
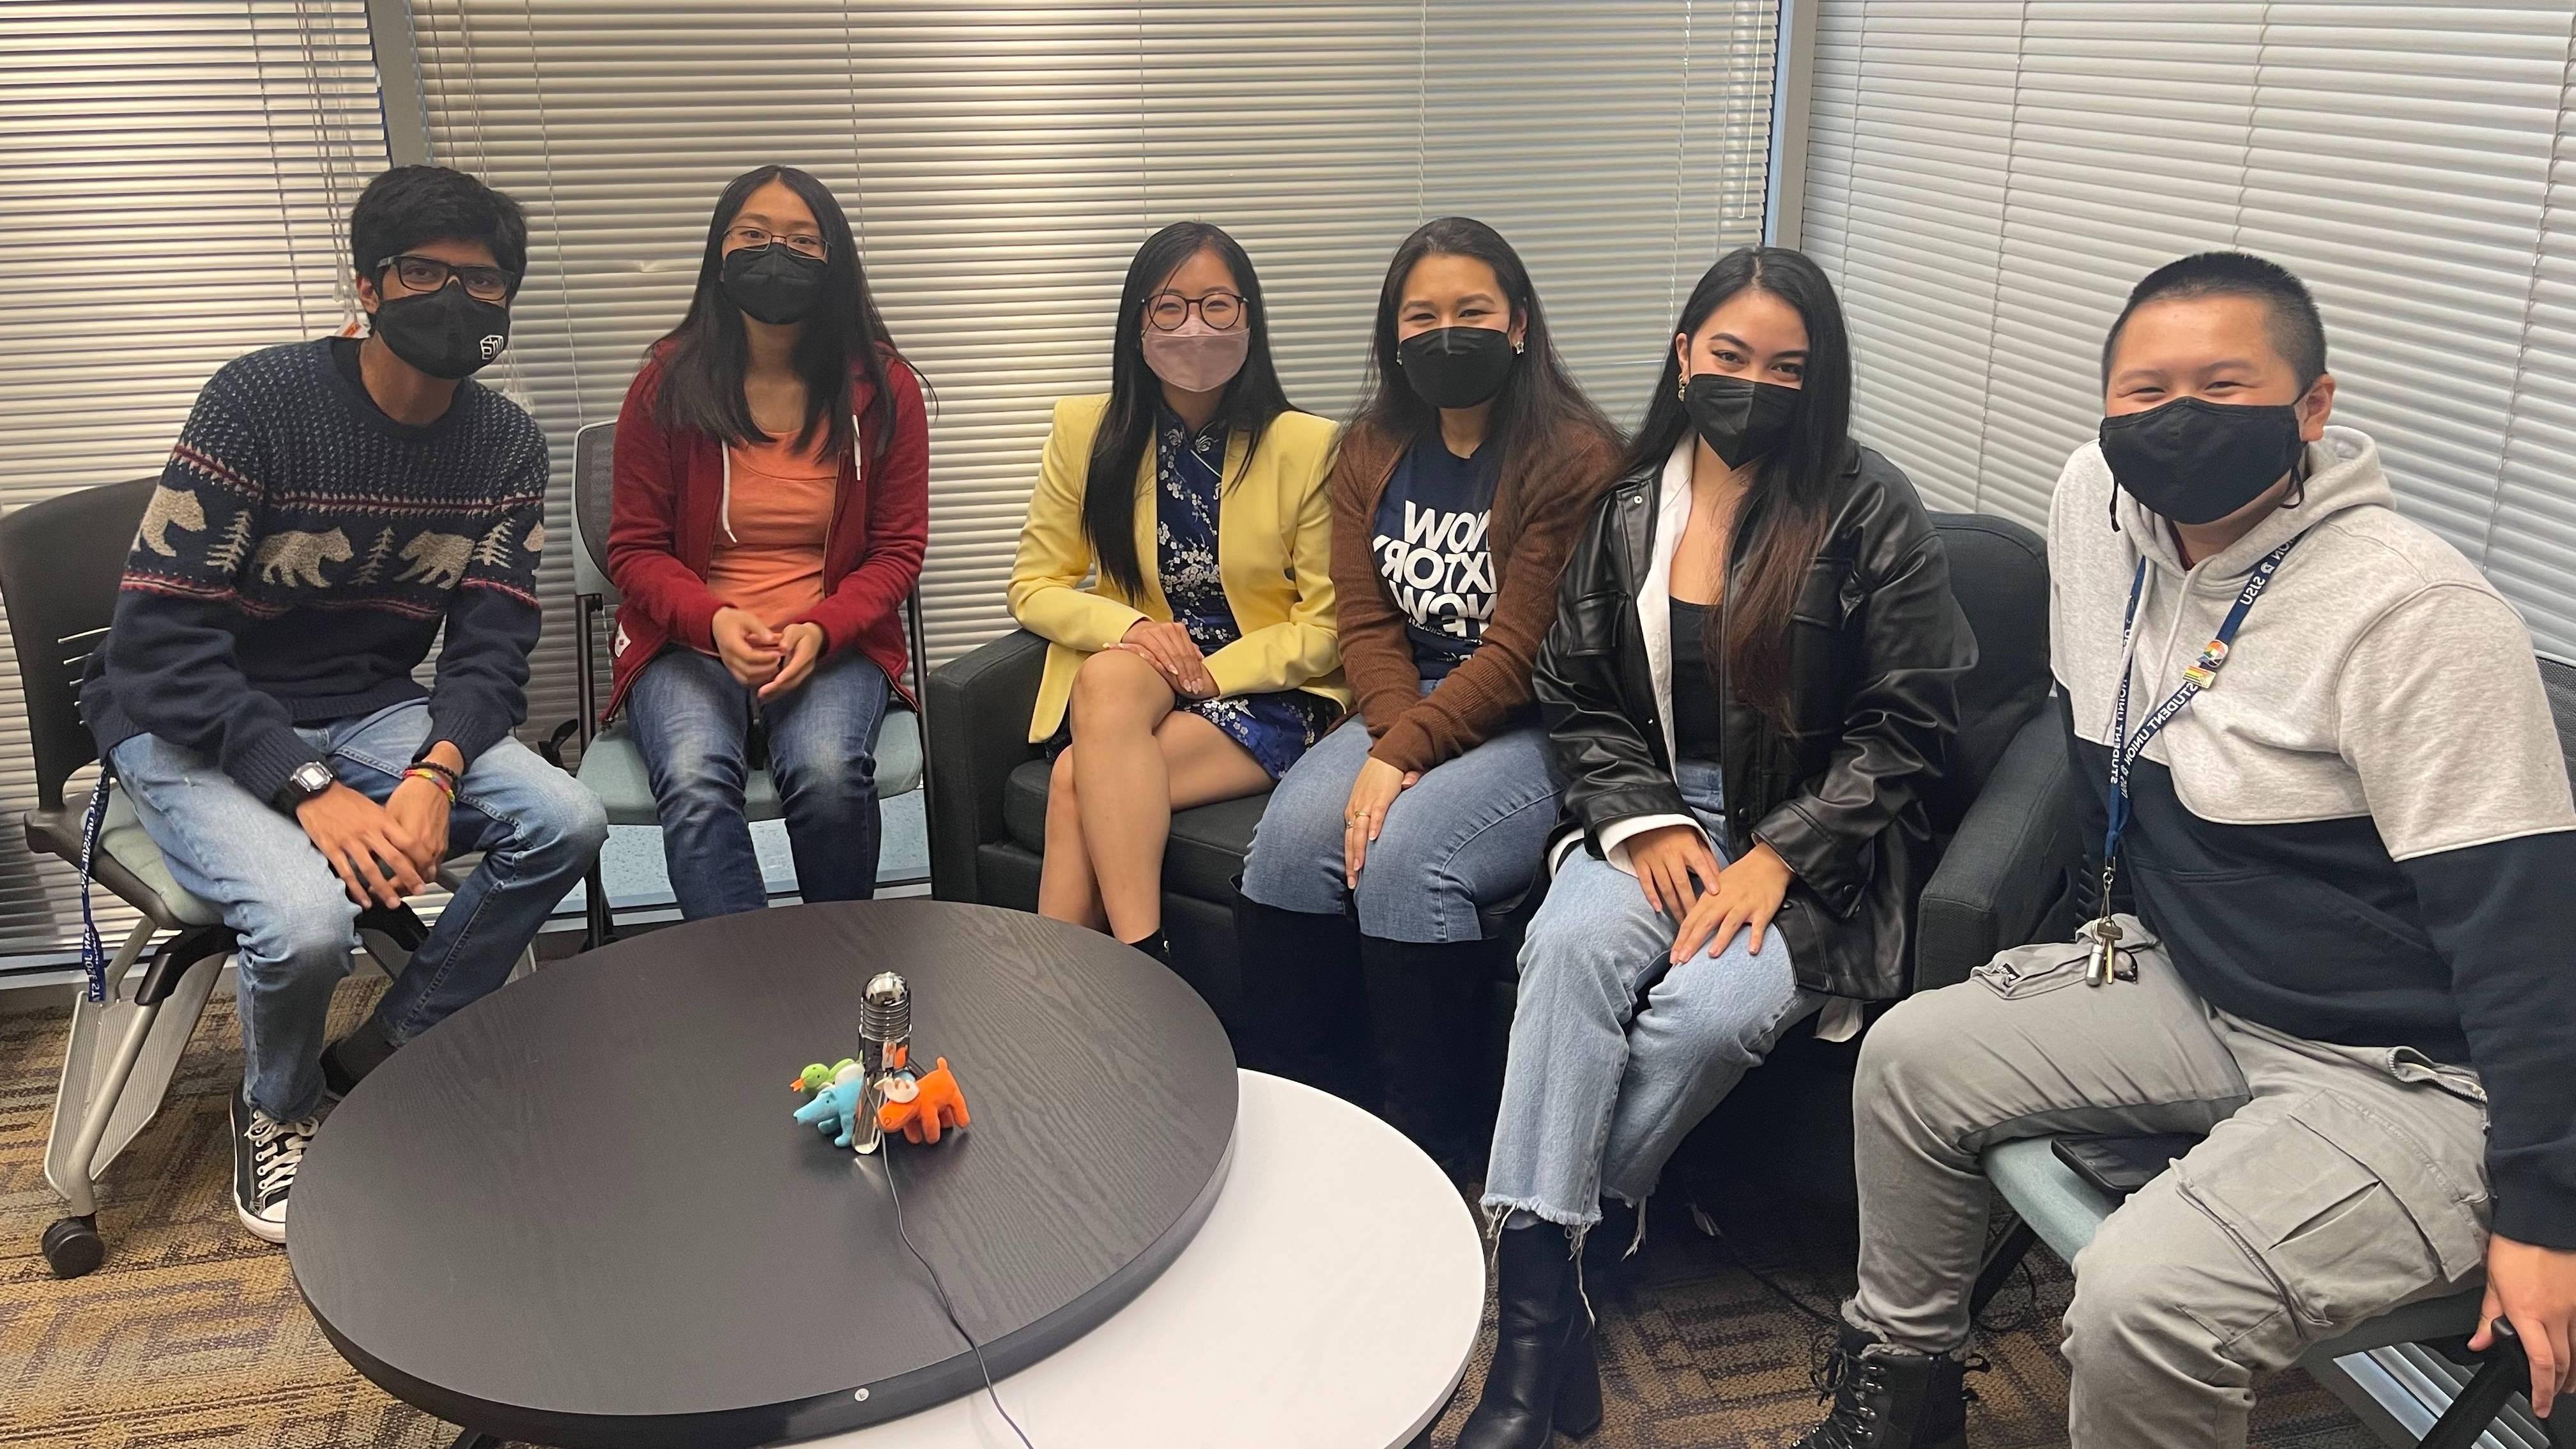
(301, 553)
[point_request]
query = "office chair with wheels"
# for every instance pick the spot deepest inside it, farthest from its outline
(60, 561)
(611, 765)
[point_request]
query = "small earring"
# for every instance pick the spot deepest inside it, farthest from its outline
(1681, 388)
(1516, 348)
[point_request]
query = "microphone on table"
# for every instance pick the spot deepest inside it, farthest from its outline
(885, 1047)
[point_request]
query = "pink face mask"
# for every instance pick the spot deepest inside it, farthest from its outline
(1196, 358)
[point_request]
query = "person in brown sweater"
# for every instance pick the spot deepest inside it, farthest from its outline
(1458, 491)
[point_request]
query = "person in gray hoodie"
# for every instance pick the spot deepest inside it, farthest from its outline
(2332, 837)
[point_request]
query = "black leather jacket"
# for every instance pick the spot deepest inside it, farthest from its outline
(1844, 797)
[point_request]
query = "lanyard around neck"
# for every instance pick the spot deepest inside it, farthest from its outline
(2203, 674)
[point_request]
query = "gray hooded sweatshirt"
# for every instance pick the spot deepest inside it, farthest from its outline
(2362, 834)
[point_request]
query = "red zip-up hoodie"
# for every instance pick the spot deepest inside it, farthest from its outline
(669, 500)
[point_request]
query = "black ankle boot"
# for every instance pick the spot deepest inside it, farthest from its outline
(1156, 945)
(1305, 1016)
(1544, 1377)
(1887, 1397)
(1428, 1015)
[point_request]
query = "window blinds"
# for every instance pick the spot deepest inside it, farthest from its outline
(177, 179)
(1001, 164)
(1985, 181)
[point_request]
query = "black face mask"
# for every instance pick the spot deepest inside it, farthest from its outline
(1738, 418)
(1456, 367)
(773, 284)
(2195, 461)
(444, 333)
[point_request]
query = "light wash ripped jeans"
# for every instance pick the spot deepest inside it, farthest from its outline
(1615, 1056)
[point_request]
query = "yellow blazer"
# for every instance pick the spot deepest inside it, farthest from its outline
(1273, 554)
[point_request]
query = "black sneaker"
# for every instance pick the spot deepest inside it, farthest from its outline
(266, 1154)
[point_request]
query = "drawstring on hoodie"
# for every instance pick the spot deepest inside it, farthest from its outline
(724, 501)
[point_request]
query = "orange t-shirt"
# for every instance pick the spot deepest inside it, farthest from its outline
(771, 561)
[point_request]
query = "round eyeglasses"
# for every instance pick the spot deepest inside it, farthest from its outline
(1221, 311)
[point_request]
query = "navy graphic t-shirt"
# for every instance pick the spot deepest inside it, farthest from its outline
(1431, 551)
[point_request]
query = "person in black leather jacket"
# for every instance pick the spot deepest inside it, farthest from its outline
(1750, 688)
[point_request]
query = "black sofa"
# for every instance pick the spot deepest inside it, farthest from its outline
(1997, 884)
(989, 785)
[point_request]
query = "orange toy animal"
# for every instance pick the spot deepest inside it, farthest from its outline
(927, 1106)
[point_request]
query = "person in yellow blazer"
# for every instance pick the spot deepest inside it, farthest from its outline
(1200, 662)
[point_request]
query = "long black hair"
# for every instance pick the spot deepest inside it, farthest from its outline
(705, 357)
(1539, 399)
(1782, 521)
(1251, 399)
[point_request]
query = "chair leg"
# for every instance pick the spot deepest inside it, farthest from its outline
(1996, 1271)
(101, 1106)
(600, 926)
(76, 1183)
(108, 1094)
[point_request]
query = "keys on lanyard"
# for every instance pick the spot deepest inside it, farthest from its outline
(2105, 961)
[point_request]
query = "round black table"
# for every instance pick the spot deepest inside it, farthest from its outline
(578, 1212)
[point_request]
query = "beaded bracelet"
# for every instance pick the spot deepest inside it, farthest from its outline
(445, 781)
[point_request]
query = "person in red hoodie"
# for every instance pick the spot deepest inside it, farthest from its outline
(770, 511)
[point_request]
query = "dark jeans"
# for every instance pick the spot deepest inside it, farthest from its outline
(692, 723)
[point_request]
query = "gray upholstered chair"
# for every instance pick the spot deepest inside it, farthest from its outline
(610, 763)
(59, 565)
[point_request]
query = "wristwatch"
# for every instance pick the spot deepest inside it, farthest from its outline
(309, 779)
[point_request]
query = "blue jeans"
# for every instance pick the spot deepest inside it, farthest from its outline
(1599, 1089)
(538, 829)
(692, 723)
(1468, 833)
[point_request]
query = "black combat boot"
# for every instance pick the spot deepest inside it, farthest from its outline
(1887, 1397)
(1544, 1378)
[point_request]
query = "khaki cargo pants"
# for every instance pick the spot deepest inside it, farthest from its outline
(2336, 1182)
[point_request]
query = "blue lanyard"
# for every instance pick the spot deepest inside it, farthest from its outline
(2203, 674)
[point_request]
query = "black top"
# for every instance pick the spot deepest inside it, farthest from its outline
(578, 1212)
(1432, 554)
(1697, 717)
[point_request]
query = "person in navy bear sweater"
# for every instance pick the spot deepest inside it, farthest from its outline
(329, 506)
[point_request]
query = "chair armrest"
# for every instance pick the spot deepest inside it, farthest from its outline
(2009, 864)
(982, 702)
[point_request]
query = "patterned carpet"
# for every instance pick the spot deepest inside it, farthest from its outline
(192, 1334)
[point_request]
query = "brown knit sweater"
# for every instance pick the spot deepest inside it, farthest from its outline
(1535, 524)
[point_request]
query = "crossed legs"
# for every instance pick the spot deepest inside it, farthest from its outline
(1135, 758)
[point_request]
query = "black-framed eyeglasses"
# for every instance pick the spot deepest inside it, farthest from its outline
(428, 274)
(802, 243)
(1221, 311)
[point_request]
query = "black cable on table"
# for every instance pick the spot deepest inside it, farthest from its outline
(887, 1155)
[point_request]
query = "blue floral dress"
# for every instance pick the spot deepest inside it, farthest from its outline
(1190, 472)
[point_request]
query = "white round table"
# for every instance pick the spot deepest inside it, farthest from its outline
(1332, 1297)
